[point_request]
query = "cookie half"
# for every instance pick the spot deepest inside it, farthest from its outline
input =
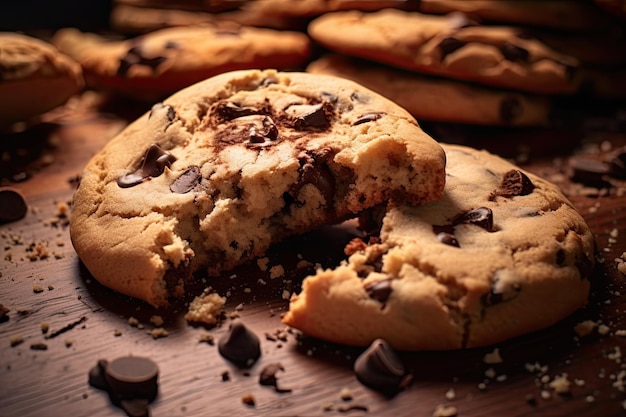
(34, 78)
(449, 46)
(215, 174)
(503, 253)
(159, 63)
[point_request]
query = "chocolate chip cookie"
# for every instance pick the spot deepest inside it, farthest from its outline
(449, 46)
(439, 99)
(34, 78)
(216, 173)
(157, 64)
(313, 8)
(503, 253)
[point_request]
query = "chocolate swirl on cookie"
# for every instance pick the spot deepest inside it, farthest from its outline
(153, 164)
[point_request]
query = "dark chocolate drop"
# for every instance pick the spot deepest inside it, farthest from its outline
(380, 368)
(514, 183)
(153, 165)
(240, 345)
(379, 290)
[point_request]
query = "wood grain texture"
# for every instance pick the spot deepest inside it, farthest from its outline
(53, 382)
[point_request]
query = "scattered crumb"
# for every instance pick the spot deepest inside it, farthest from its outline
(16, 340)
(286, 294)
(37, 288)
(39, 346)
(621, 263)
(445, 411)
(277, 271)
(133, 321)
(69, 343)
(205, 308)
(225, 376)
(206, 338)
(493, 357)
(345, 394)
(262, 263)
(603, 329)
(584, 328)
(4, 312)
(248, 399)
(44, 327)
(560, 384)
(157, 321)
(158, 332)
(117, 332)
(450, 394)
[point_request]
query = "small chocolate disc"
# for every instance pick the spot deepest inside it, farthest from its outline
(12, 205)
(132, 377)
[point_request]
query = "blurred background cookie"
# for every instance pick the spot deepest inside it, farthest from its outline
(34, 78)
(439, 99)
(159, 63)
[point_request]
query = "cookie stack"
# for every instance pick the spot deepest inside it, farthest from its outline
(449, 67)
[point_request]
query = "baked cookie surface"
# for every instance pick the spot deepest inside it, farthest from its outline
(449, 46)
(215, 174)
(34, 77)
(440, 99)
(159, 63)
(503, 253)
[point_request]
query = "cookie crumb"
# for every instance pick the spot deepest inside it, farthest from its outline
(493, 357)
(560, 384)
(44, 327)
(277, 271)
(158, 333)
(37, 288)
(16, 340)
(262, 263)
(207, 338)
(39, 346)
(117, 332)
(450, 394)
(248, 399)
(157, 320)
(345, 394)
(584, 328)
(443, 410)
(206, 308)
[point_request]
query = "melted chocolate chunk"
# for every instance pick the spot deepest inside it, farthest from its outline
(514, 53)
(481, 216)
(359, 97)
(379, 290)
(329, 97)
(514, 183)
(135, 56)
(510, 109)
(368, 117)
(153, 165)
(187, 181)
(12, 205)
(306, 116)
(319, 175)
(229, 111)
(449, 45)
(240, 345)
(380, 368)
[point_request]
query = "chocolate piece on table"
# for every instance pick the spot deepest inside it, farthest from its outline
(380, 368)
(12, 205)
(589, 172)
(240, 345)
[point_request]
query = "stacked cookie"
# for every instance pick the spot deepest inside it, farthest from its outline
(448, 67)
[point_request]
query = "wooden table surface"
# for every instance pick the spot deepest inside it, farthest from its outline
(88, 322)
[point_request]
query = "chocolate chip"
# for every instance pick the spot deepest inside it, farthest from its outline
(12, 205)
(268, 376)
(135, 56)
(514, 183)
(368, 117)
(379, 290)
(514, 53)
(187, 181)
(448, 239)
(589, 171)
(309, 115)
(359, 97)
(329, 97)
(380, 368)
(481, 216)
(449, 45)
(153, 165)
(130, 377)
(131, 381)
(510, 109)
(240, 345)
